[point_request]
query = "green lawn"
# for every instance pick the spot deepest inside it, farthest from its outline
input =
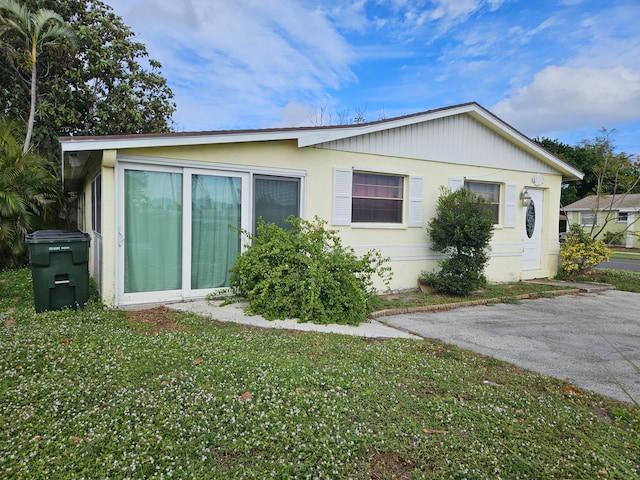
(621, 279)
(625, 253)
(93, 394)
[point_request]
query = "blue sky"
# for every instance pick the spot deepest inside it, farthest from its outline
(558, 69)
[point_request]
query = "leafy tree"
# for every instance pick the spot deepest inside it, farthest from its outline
(28, 188)
(605, 170)
(617, 175)
(609, 176)
(109, 87)
(462, 229)
(33, 31)
(579, 157)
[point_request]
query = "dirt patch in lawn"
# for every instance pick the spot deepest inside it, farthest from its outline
(389, 466)
(154, 320)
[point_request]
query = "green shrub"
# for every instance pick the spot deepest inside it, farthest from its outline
(581, 253)
(458, 275)
(29, 194)
(614, 238)
(462, 229)
(306, 273)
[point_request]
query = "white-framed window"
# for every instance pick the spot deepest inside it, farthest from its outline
(502, 196)
(377, 198)
(622, 217)
(275, 198)
(490, 191)
(588, 219)
(366, 197)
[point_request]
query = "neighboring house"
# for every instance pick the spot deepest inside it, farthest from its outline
(165, 210)
(619, 214)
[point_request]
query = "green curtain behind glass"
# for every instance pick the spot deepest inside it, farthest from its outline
(153, 231)
(215, 223)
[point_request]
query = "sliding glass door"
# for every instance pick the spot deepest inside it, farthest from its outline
(153, 226)
(216, 221)
(180, 231)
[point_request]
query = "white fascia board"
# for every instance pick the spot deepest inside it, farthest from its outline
(97, 143)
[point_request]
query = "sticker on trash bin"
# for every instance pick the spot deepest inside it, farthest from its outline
(58, 249)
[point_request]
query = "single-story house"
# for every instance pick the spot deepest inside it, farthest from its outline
(166, 211)
(618, 214)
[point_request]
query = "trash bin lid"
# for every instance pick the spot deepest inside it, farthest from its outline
(46, 236)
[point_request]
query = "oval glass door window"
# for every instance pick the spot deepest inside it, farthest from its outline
(531, 218)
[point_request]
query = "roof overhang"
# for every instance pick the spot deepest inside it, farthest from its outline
(77, 152)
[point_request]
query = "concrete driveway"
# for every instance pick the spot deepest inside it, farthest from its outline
(571, 337)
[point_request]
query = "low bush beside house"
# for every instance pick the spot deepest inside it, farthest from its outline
(306, 273)
(581, 253)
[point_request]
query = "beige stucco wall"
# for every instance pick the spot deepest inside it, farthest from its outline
(407, 247)
(109, 232)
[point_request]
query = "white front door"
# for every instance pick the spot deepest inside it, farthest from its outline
(532, 231)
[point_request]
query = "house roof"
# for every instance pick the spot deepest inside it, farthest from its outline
(625, 202)
(77, 150)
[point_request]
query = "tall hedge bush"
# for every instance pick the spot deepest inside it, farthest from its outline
(462, 229)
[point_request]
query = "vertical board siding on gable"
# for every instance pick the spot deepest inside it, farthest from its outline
(458, 139)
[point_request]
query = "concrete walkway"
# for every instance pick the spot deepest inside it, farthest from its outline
(235, 313)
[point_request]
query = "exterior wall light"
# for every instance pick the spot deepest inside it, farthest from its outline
(525, 196)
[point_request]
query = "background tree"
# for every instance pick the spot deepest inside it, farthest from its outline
(33, 32)
(28, 188)
(462, 229)
(110, 86)
(605, 171)
(323, 116)
(617, 175)
(608, 175)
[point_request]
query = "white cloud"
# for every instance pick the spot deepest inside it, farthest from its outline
(565, 98)
(259, 54)
(454, 10)
(608, 40)
(350, 16)
(296, 114)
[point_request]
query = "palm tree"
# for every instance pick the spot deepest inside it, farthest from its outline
(28, 187)
(36, 31)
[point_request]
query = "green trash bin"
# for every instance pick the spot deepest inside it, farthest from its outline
(59, 268)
